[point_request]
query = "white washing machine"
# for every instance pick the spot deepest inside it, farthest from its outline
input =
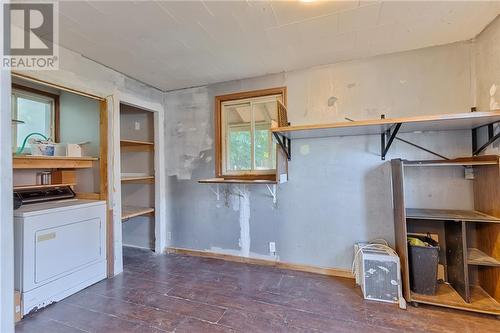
(60, 249)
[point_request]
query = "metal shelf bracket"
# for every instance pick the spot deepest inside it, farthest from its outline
(492, 137)
(388, 136)
(285, 144)
(272, 191)
(216, 191)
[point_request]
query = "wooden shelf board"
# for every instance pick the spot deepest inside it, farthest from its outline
(236, 181)
(447, 296)
(442, 122)
(133, 211)
(462, 161)
(478, 257)
(138, 179)
(135, 143)
(26, 187)
(51, 162)
(450, 215)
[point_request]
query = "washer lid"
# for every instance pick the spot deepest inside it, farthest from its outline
(55, 206)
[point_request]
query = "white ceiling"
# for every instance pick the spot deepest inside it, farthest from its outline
(172, 45)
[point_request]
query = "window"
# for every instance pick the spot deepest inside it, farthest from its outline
(38, 112)
(245, 146)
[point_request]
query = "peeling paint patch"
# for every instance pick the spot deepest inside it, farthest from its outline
(493, 102)
(188, 129)
(245, 222)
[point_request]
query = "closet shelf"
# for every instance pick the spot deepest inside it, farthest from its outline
(134, 145)
(479, 258)
(133, 211)
(138, 179)
(51, 162)
(450, 215)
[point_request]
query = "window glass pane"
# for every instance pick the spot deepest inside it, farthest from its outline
(265, 153)
(37, 117)
(238, 137)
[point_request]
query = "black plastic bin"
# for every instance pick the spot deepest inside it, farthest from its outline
(423, 262)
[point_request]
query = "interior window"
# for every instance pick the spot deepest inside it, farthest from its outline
(35, 113)
(247, 143)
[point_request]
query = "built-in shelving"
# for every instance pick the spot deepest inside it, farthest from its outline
(132, 211)
(450, 215)
(52, 162)
(467, 239)
(479, 258)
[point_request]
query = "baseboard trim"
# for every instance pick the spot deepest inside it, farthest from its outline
(338, 272)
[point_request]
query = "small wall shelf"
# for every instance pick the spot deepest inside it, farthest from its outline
(52, 162)
(236, 181)
(132, 211)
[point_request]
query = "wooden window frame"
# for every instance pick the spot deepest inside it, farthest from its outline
(46, 94)
(218, 129)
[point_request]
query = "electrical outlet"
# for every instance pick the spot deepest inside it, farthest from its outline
(169, 235)
(137, 126)
(272, 247)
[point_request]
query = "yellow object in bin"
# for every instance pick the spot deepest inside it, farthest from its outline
(413, 241)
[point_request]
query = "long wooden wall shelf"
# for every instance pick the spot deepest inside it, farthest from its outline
(132, 211)
(52, 162)
(442, 122)
(390, 127)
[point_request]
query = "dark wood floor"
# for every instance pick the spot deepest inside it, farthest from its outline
(190, 294)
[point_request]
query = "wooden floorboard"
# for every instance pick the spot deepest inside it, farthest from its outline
(179, 293)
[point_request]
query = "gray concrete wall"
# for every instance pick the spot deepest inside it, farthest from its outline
(339, 190)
